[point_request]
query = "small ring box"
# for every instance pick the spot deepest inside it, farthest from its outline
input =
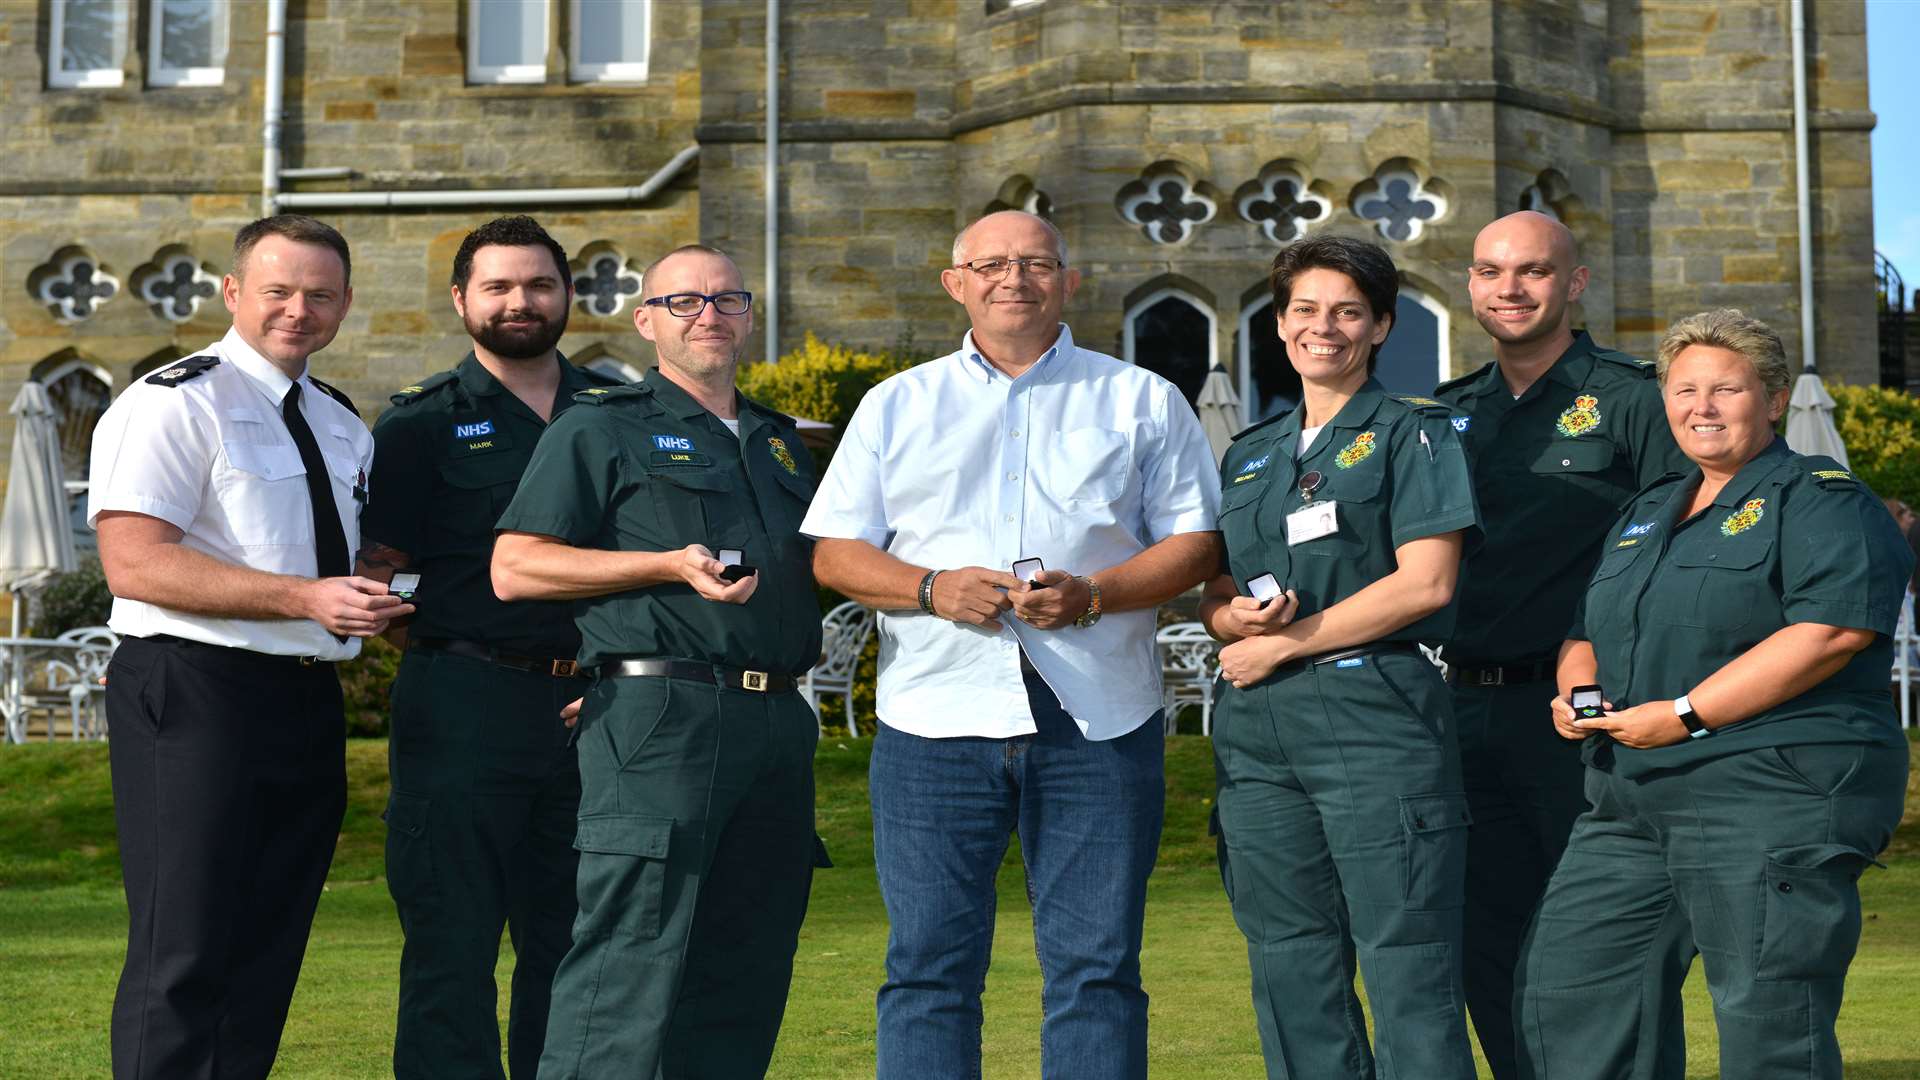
(1265, 588)
(1027, 570)
(733, 570)
(404, 585)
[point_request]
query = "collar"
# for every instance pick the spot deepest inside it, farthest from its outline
(261, 371)
(477, 381)
(1754, 472)
(676, 400)
(1356, 413)
(983, 370)
(1574, 365)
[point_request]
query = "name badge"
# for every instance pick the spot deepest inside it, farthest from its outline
(1312, 521)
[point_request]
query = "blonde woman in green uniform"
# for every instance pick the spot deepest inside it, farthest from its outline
(1746, 764)
(1342, 821)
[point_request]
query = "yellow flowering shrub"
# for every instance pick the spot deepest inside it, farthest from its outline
(1881, 428)
(820, 380)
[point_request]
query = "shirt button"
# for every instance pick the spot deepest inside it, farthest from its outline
(1009, 519)
(1565, 462)
(1016, 433)
(1012, 477)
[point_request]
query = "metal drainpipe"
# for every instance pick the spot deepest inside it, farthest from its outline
(270, 129)
(772, 244)
(1798, 15)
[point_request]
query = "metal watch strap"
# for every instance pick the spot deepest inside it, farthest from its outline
(926, 591)
(1092, 614)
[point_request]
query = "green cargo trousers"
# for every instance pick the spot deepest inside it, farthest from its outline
(1343, 830)
(697, 852)
(1757, 857)
(1525, 786)
(479, 836)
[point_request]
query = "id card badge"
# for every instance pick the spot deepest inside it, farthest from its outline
(1312, 521)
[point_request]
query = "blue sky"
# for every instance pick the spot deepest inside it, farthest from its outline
(1893, 28)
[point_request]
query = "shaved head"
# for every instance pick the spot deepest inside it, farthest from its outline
(1530, 228)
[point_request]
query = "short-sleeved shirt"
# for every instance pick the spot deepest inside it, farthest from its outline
(644, 467)
(450, 454)
(1551, 471)
(1395, 471)
(1790, 539)
(1083, 462)
(210, 454)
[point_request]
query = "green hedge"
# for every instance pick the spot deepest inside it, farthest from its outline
(1881, 428)
(74, 599)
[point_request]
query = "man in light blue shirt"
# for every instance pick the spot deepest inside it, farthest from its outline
(1008, 703)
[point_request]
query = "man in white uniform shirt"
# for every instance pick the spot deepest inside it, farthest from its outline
(226, 491)
(1017, 704)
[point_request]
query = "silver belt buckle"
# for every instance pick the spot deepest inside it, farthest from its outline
(753, 680)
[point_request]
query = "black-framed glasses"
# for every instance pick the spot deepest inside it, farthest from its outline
(689, 305)
(1041, 267)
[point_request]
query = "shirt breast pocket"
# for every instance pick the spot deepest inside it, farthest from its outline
(264, 493)
(1720, 588)
(481, 487)
(1240, 527)
(1362, 515)
(1084, 465)
(1578, 470)
(691, 506)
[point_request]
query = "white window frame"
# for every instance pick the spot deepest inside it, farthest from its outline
(91, 78)
(1243, 353)
(1154, 297)
(612, 366)
(162, 76)
(626, 71)
(79, 487)
(505, 74)
(1443, 330)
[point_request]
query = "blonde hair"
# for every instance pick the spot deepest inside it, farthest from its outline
(1735, 331)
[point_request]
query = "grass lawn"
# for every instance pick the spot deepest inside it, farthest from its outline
(63, 921)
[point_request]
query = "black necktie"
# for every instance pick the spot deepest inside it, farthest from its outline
(329, 540)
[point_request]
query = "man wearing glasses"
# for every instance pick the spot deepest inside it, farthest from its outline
(696, 832)
(1026, 703)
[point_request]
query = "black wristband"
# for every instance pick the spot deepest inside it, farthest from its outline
(926, 591)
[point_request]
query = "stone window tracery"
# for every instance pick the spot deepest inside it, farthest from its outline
(73, 284)
(174, 284)
(1167, 203)
(1281, 202)
(1398, 202)
(1018, 193)
(604, 280)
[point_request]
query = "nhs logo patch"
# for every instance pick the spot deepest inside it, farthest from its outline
(672, 442)
(471, 431)
(1641, 529)
(1258, 463)
(1461, 423)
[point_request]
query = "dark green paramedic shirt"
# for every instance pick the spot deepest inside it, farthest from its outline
(1391, 486)
(1790, 539)
(645, 468)
(1551, 472)
(447, 457)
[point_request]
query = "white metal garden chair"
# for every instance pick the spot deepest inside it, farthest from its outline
(1189, 661)
(843, 634)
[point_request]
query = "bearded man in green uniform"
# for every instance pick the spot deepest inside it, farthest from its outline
(1560, 434)
(480, 821)
(696, 832)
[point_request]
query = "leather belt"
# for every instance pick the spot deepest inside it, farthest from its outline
(1530, 671)
(731, 678)
(302, 661)
(1294, 666)
(473, 650)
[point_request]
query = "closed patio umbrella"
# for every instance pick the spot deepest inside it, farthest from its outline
(36, 538)
(1810, 428)
(1219, 408)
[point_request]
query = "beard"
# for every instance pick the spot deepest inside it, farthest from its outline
(530, 343)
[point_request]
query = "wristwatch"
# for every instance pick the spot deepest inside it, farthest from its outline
(1683, 709)
(1092, 614)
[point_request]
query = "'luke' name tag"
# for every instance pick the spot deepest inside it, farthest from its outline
(1311, 522)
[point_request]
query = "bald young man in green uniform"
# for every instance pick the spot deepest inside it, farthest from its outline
(1560, 433)
(480, 821)
(696, 753)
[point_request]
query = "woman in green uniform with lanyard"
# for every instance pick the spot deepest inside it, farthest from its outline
(1342, 820)
(1745, 764)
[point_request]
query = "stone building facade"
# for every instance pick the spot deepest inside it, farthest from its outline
(1177, 144)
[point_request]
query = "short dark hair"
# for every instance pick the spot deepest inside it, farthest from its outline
(1367, 265)
(296, 227)
(514, 230)
(683, 249)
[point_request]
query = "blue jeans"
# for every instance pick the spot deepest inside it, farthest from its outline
(1089, 817)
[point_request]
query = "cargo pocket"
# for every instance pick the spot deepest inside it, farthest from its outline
(1810, 911)
(623, 873)
(1433, 850)
(410, 875)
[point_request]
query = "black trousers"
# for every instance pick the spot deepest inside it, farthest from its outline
(229, 785)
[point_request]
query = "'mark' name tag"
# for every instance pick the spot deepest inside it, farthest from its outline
(1312, 521)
